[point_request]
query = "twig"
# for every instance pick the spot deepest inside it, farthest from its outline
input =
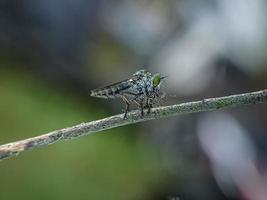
(14, 148)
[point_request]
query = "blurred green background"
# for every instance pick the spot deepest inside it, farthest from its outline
(109, 165)
(52, 53)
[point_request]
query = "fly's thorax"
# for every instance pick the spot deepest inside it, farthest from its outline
(149, 86)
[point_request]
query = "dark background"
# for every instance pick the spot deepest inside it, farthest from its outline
(53, 52)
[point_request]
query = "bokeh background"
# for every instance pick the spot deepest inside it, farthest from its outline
(53, 52)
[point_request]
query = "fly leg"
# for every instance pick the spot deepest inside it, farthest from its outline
(127, 106)
(142, 108)
(140, 105)
(148, 105)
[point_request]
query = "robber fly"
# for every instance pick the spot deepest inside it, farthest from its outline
(143, 88)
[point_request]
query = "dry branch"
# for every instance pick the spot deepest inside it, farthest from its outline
(14, 148)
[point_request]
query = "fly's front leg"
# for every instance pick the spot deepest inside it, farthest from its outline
(142, 108)
(127, 106)
(148, 105)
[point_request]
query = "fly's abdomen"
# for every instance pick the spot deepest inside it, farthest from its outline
(111, 91)
(101, 93)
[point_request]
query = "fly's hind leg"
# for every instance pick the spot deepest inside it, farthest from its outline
(127, 106)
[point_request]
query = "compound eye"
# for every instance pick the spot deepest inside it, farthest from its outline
(156, 80)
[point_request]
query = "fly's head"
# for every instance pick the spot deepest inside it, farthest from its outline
(156, 81)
